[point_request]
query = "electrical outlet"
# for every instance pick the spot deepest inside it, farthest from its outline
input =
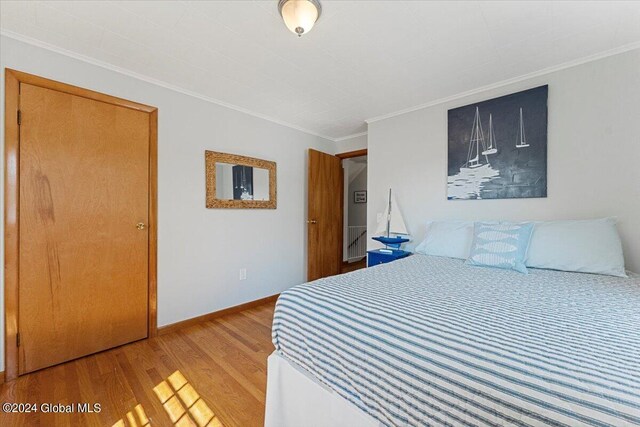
(243, 274)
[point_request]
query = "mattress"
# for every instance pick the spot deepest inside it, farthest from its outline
(432, 341)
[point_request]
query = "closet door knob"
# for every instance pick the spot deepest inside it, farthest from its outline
(312, 221)
(141, 226)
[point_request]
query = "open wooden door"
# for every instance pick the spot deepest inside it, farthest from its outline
(324, 223)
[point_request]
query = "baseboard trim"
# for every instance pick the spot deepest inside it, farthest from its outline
(172, 327)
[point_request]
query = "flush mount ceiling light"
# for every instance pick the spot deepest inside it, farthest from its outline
(299, 15)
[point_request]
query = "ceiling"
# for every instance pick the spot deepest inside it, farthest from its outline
(362, 60)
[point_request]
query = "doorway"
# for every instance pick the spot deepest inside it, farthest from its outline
(354, 233)
(326, 222)
(80, 222)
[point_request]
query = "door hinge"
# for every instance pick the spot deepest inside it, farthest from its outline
(18, 339)
(19, 117)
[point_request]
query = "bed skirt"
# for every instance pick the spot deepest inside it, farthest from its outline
(295, 398)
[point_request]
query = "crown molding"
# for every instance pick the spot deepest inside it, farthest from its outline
(544, 71)
(160, 83)
(355, 135)
(151, 80)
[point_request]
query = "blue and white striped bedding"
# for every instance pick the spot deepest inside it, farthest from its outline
(431, 341)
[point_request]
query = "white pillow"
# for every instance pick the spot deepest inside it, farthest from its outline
(587, 246)
(450, 239)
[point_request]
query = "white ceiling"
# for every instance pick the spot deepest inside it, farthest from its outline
(363, 59)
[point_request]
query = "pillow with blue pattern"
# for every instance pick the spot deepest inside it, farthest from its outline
(502, 245)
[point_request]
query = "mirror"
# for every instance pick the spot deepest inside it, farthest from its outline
(239, 182)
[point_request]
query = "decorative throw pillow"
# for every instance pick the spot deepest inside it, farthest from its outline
(501, 245)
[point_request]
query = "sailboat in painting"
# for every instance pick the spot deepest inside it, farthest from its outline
(521, 142)
(476, 172)
(476, 139)
(493, 145)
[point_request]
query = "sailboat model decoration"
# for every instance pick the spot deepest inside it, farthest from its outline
(391, 223)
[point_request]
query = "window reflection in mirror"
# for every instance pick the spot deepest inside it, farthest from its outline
(240, 182)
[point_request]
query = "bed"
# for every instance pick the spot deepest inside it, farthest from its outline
(431, 341)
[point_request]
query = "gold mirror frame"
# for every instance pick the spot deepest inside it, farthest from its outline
(213, 157)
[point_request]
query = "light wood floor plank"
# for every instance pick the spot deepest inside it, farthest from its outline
(224, 360)
(236, 362)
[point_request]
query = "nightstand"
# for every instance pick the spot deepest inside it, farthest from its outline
(376, 257)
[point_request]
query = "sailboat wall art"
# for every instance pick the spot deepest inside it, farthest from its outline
(498, 147)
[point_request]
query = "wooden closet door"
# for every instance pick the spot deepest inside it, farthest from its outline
(83, 263)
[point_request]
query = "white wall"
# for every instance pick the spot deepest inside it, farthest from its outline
(357, 212)
(352, 144)
(593, 155)
(200, 251)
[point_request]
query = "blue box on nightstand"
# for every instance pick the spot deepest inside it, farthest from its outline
(377, 257)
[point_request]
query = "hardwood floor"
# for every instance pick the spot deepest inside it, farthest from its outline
(353, 266)
(223, 360)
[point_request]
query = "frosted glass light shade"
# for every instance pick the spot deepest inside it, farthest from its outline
(299, 15)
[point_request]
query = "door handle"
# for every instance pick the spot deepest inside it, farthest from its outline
(312, 221)
(141, 226)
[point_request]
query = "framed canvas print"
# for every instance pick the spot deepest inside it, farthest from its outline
(359, 197)
(498, 148)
